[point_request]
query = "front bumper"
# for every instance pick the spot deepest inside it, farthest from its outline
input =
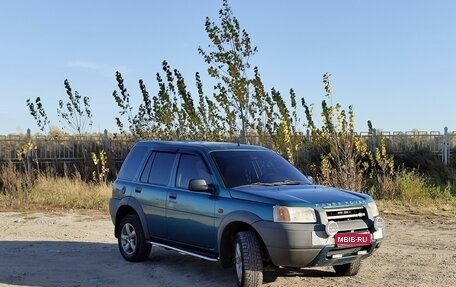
(306, 245)
(331, 255)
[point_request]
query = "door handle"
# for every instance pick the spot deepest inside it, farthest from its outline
(173, 195)
(138, 189)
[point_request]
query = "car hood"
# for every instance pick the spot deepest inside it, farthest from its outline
(301, 195)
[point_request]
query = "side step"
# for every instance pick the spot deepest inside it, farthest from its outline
(183, 251)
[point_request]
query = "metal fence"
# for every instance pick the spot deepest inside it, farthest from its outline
(442, 144)
(76, 150)
(65, 153)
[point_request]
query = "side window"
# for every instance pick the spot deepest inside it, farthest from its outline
(191, 167)
(132, 163)
(160, 171)
(146, 171)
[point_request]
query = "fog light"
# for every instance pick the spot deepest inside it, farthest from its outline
(379, 223)
(331, 228)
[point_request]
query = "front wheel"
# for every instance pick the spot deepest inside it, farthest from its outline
(247, 260)
(349, 269)
(131, 240)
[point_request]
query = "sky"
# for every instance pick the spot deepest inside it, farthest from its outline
(394, 61)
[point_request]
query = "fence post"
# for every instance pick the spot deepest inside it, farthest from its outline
(106, 145)
(446, 146)
(374, 140)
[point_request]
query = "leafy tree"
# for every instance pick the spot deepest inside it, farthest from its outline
(239, 99)
(38, 112)
(172, 113)
(76, 113)
(228, 57)
(185, 118)
(123, 102)
(346, 158)
(164, 105)
(211, 125)
(287, 140)
(145, 122)
(342, 152)
(240, 91)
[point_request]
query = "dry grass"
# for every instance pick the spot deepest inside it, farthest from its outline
(53, 193)
(69, 193)
(432, 207)
(409, 193)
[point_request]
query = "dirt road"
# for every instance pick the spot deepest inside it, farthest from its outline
(75, 250)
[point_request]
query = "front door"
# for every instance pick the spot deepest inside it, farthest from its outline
(190, 215)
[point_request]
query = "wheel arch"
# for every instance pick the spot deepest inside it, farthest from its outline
(130, 206)
(230, 226)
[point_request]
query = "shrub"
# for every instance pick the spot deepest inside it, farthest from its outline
(11, 180)
(411, 188)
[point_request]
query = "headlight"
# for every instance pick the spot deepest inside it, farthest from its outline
(294, 214)
(373, 208)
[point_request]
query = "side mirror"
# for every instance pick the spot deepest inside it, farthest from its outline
(199, 185)
(310, 179)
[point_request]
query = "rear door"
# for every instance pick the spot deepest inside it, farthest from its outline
(152, 190)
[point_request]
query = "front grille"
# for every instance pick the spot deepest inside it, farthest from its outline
(345, 214)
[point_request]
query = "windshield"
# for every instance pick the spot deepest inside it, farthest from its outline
(241, 168)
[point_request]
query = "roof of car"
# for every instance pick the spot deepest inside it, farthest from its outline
(200, 145)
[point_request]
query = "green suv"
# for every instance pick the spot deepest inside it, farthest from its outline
(242, 205)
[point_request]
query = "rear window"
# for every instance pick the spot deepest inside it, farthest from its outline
(132, 163)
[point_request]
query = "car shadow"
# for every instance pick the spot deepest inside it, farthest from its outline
(77, 264)
(272, 275)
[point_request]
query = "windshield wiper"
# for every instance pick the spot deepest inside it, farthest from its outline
(276, 183)
(286, 182)
(258, 183)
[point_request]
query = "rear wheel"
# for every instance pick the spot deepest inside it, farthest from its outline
(247, 260)
(349, 269)
(131, 240)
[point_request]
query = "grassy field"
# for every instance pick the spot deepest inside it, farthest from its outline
(57, 193)
(48, 192)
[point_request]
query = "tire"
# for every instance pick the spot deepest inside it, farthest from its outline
(131, 240)
(248, 264)
(349, 269)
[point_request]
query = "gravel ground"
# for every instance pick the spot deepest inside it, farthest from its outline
(73, 249)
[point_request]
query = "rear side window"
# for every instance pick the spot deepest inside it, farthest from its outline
(162, 166)
(132, 163)
(146, 172)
